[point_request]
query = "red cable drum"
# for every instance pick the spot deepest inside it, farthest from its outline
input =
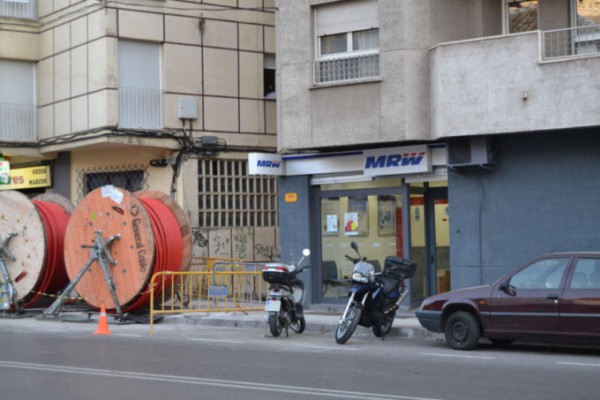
(53, 277)
(40, 226)
(154, 236)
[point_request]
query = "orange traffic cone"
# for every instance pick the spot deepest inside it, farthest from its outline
(102, 323)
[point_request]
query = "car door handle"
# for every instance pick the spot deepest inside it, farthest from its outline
(552, 297)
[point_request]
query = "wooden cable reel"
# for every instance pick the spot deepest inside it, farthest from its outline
(39, 224)
(154, 235)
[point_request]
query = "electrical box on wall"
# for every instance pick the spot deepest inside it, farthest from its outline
(473, 151)
(188, 108)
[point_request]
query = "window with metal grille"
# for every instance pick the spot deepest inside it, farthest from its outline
(229, 197)
(347, 41)
(131, 178)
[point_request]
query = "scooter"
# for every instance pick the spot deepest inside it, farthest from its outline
(283, 308)
(374, 297)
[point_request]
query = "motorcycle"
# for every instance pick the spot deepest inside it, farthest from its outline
(283, 308)
(374, 297)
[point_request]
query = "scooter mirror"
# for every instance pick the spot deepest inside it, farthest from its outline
(306, 252)
(354, 246)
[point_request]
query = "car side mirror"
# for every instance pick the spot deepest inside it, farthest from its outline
(506, 288)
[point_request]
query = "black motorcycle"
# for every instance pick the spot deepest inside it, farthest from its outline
(374, 297)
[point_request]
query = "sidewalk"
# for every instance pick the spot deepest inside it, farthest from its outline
(316, 321)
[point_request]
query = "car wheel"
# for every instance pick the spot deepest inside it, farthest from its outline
(462, 331)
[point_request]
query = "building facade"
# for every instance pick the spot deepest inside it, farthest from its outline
(462, 134)
(166, 95)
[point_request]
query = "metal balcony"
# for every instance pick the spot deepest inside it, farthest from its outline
(354, 67)
(140, 108)
(19, 9)
(17, 122)
(571, 42)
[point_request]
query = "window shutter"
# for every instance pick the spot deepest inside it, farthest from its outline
(16, 82)
(139, 65)
(347, 16)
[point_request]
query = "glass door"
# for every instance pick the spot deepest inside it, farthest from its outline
(372, 220)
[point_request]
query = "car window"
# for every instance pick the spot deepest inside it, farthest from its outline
(586, 274)
(543, 274)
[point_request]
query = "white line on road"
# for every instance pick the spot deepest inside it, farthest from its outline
(326, 347)
(265, 387)
(216, 340)
(579, 364)
(458, 356)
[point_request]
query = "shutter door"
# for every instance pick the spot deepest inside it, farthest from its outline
(348, 16)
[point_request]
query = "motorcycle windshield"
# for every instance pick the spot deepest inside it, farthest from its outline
(365, 269)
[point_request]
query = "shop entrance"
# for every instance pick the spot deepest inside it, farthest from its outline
(400, 220)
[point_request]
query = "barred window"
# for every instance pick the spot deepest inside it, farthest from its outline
(229, 197)
(130, 177)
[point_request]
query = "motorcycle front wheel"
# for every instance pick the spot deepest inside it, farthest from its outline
(298, 325)
(346, 328)
(275, 325)
(382, 329)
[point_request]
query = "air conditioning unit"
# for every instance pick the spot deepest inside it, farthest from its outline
(472, 151)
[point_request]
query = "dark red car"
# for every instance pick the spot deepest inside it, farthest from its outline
(556, 296)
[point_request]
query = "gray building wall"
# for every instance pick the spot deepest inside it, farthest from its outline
(539, 199)
(394, 108)
(294, 222)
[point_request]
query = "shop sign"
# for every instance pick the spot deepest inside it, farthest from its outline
(265, 164)
(28, 178)
(397, 161)
(4, 171)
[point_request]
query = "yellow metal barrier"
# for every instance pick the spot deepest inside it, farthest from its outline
(206, 291)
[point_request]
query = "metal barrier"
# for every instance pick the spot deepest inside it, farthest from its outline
(571, 42)
(207, 291)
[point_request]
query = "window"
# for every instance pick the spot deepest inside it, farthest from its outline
(269, 76)
(586, 21)
(21, 9)
(229, 197)
(140, 97)
(586, 274)
(17, 107)
(347, 41)
(543, 274)
(520, 16)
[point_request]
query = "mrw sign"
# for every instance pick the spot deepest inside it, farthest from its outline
(397, 160)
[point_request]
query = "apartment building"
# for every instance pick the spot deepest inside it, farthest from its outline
(166, 95)
(462, 134)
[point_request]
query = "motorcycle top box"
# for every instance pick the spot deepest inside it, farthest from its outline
(398, 267)
(278, 273)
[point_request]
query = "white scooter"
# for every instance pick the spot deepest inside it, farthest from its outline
(286, 295)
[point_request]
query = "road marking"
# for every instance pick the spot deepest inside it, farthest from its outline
(326, 347)
(264, 387)
(578, 364)
(458, 356)
(216, 340)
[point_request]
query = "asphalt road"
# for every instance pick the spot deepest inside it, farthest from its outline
(51, 360)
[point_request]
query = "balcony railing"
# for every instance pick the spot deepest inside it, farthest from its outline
(571, 42)
(21, 9)
(17, 122)
(348, 68)
(140, 108)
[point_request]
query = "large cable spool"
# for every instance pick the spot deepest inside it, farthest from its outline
(40, 225)
(154, 235)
